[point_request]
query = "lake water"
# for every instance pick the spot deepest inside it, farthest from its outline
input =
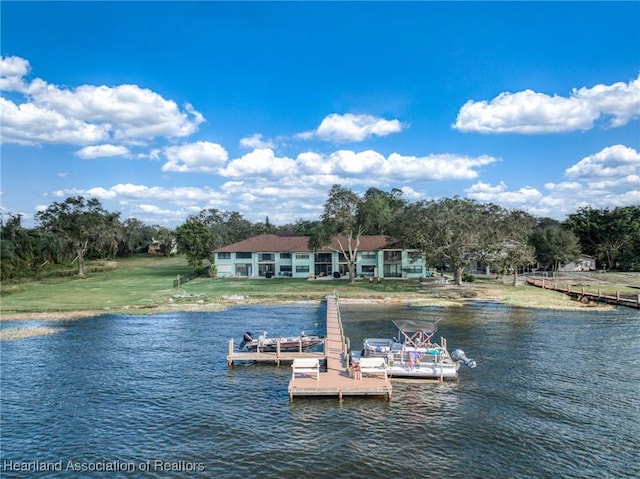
(555, 395)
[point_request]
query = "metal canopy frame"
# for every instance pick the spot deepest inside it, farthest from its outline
(417, 333)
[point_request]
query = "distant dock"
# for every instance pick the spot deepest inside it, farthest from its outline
(326, 373)
(582, 295)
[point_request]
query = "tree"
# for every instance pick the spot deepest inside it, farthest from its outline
(554, 244)
(264, 228)
(341, 223)
(133, 237)
(452, 231)
(79, 223)
(607, 234)
(301, 227)
(379, 210)
(194, 240)
(512, 247)
(225, 228)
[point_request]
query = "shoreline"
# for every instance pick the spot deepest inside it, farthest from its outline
(24, 331)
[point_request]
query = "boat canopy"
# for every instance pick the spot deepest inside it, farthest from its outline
(416, 326)
(416, 333)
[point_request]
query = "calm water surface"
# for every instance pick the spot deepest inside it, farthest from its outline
(555, 395)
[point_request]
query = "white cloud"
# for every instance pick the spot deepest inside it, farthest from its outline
(101, 151)
(616, 161)
(256, 141)
(12, 71)
(349, 128)
(607, 179)
(530, 112)
(200, 157)
(355, 164)
(370, 166)
(88, 113)
(436, 167)
(500, 195)
(30, 124)
(261, 163)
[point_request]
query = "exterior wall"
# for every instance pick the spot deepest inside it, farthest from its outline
(398, 264)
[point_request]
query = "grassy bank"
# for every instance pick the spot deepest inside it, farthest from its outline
(145, 285)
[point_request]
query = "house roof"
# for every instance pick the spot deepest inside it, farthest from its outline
(295, 244)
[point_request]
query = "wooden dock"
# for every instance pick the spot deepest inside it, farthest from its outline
(324, 373)
(582, 295)
(275, 357)
(336, 379)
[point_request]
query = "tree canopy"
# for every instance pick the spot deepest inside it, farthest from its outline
(80, 225)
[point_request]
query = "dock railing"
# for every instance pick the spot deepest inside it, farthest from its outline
(346, 345)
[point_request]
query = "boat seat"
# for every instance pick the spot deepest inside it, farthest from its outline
(373, 366)
(306, 366)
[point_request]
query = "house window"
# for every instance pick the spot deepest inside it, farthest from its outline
(243, 270)
(413, 269)
(285, 270)
(265, 269)
(224, 255)
(302, 255)
(323, 258)
(243, 255)
(393, 256)
(302, 269)
(368, 270)
(368, 255)
(285, 255)
(266, 257)
(393, 271)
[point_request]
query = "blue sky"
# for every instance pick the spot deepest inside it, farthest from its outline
(162, 109)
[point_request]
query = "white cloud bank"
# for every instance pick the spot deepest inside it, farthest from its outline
(87, 114)
(351, 128)
(261, 184)
(607, 179)
(360, 167)
(529, 112)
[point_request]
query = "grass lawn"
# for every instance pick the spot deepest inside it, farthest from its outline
(145, 284)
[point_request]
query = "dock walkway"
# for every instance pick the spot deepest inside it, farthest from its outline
(336, 380)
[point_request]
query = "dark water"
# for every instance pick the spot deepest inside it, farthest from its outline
(555, 395)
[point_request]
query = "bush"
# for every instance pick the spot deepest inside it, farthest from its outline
(469, 278)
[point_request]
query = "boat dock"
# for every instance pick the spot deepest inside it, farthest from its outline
(326, 373)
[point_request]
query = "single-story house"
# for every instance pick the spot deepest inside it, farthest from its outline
(269, 255)
(585, 263)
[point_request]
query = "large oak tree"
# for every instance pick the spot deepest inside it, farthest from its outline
(80, 224)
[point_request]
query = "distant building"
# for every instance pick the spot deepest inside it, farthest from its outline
(270, 255)
(585, 263)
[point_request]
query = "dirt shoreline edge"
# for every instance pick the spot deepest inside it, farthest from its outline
(564, 303)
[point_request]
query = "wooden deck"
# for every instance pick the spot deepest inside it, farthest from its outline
(276, 357)
(336, 380)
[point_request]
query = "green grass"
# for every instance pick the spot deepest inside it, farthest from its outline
(145, 284)
(136, 282)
